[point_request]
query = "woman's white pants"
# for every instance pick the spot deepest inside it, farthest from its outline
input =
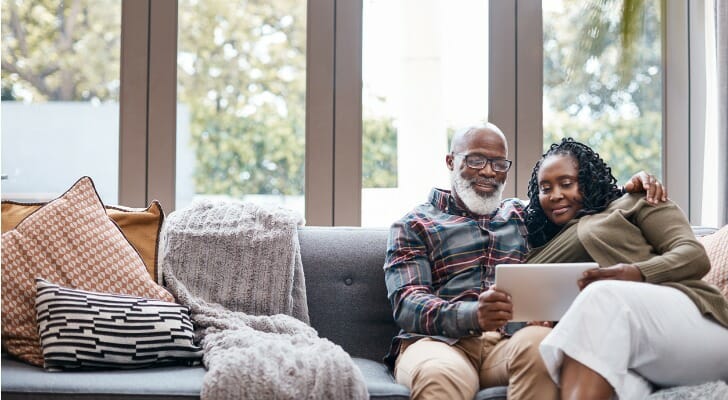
(637, 334)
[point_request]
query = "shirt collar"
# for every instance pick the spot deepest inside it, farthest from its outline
(445, 201)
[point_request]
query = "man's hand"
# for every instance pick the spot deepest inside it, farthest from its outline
(644, 182)
(548, 324)
(621, 272)
(494, 309)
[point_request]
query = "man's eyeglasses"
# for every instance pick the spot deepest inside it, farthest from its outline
(477, 161)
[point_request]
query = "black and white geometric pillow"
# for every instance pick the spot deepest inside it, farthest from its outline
(87, 330)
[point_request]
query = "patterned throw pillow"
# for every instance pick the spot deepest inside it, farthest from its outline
(72, 242)
(716, 245)
(140, 225)
(80, 329)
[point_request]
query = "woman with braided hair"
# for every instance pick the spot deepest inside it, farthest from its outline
(644, 318)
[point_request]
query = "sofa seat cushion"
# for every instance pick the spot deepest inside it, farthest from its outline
(380, 383)
(23, 381)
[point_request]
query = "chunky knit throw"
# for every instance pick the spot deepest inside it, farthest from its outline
(716, 390)
(238, 267)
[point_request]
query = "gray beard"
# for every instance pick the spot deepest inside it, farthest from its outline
(476, 203)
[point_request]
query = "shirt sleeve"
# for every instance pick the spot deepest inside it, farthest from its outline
(680, 255)
(408, 276)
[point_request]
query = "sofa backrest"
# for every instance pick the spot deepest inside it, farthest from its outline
(347, 297)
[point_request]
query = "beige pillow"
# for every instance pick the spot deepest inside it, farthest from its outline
(716, 245)
(140, 225)
(72, 242)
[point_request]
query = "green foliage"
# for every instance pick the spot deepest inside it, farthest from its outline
(66, 52)
(242, 75)
(379, 152)
(593, 94)
(627, 146)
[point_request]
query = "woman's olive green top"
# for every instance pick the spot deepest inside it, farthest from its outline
(656, 239)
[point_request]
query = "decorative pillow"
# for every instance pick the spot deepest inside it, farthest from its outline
(716, 245)
(80, 329)
(140, 225)
(70, 241)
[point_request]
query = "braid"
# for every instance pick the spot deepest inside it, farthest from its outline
(597, 186)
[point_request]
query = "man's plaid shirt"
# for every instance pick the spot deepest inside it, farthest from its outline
(440, 257)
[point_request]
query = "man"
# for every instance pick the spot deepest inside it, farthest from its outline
(439, 272)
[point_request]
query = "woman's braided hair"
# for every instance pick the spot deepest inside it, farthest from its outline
(597, 186)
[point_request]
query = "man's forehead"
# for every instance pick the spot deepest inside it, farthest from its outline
(483, 139)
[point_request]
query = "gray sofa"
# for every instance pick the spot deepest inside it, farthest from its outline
(347, 303)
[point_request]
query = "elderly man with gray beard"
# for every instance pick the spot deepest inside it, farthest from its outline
(440, 269)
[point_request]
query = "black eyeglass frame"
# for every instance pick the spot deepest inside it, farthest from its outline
(494, 162)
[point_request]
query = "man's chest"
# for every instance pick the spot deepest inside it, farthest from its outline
(459, 248)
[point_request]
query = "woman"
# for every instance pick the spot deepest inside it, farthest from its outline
(644, 317)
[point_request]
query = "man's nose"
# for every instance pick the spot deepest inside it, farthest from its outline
(487, 170)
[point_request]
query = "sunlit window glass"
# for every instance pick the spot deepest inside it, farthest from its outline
(60, 93)
(602, 76)
(241, 101)
(425, 75)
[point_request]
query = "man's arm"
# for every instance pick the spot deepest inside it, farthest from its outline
(408, 275)
(640, 182)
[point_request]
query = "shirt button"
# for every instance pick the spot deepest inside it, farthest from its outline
(348, 281)
(472, 332)
(444, 333)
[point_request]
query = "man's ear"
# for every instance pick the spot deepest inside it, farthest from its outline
(450, 162)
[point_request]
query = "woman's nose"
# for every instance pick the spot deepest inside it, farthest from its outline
(556, 195)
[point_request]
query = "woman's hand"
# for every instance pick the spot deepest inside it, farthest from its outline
(621, 272)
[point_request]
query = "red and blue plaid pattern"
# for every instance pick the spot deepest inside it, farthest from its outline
(440, 257)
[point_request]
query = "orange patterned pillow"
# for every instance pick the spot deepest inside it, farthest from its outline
(716, 245)
(70, 241)
(140, 225)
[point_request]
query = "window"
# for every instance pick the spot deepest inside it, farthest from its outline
(60, 93)
(596, 91)
(241, 101)
(349, 103)
(424, 76)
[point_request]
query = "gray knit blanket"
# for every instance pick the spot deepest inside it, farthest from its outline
(237, 266)
(717, 390)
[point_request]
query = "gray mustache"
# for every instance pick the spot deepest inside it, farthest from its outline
(485, 181)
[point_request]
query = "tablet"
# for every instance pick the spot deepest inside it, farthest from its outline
(540, 292)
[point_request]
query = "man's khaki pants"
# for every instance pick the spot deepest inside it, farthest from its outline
(436, 370)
